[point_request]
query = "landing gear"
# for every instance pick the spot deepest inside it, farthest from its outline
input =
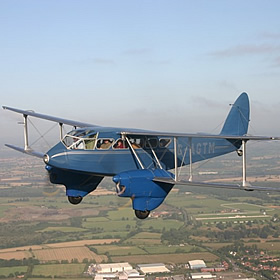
(75, 199)
(239, 152)
(142, 214)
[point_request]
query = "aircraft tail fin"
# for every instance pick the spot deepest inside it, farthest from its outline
(238, 118)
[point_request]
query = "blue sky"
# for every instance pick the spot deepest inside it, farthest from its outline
(163, 65)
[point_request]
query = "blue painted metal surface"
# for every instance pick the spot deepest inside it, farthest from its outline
(80, 163)
(134, 157)
(139, 185)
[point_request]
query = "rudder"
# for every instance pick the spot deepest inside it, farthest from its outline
(237, 121)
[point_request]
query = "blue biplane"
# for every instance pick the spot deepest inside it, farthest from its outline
(139, 161)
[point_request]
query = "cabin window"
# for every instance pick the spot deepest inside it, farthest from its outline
(104, 144)
(164, 142)
(151, 142)
(120, 144)
(78, 144)
(80, 139)
(136, 143)
(90, 141)
(68, 141)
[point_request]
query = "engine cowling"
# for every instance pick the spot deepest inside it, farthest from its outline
(146, 194)
(77, 184)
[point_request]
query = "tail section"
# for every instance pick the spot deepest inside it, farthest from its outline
(238, 118)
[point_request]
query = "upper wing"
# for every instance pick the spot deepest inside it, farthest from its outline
(60, 121)
(196, 135)
(49, 118)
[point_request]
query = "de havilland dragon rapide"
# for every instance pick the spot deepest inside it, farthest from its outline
(144, 165)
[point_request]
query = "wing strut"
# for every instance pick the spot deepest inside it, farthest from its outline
(190, 155)
(245, 184)
(155, 156)
(61, 130)
(135, 154)
(175, 159)
(26, 144)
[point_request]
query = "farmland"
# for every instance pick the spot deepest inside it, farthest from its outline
(39, 226)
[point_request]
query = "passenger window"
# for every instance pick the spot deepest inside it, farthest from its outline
(80, 139)
(151, 142)
(136, 143)
(104, 144)
(120, 144)
(67, 141)
(90, 144)
(164, 142)
(78, 144)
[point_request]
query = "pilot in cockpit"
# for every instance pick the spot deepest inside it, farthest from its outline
(78, 143)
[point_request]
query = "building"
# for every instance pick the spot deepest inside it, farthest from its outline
(153, 268)
(245, 279)
(111, 267)
(124, 275)
(131, 275)
(197, 264)
(202, 275)
(114, 271)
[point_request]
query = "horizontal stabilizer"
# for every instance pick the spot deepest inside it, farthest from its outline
(214, 185)
(28, 151)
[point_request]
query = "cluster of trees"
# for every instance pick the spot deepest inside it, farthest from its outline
(242, 231)
(176, 236)
(19, 234)
(14, 262)
(225, 233)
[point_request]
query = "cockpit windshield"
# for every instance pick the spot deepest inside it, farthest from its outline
(80, 139)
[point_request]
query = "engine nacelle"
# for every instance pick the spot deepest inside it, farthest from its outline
(146, 194)
(77, 184)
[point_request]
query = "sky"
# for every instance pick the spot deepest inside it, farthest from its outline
(155, 64)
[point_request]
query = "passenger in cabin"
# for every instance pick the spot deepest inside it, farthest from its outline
(106, 144)
(134, 144)
(119, 145)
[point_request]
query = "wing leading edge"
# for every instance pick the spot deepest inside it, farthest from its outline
(26, 114)
(26, 151)
(198, 135)
(49, 118)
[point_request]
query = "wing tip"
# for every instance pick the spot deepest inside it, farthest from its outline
(26, 151)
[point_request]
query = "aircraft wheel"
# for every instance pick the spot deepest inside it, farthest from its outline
(75, 199)
(239, 152)
(142, 214)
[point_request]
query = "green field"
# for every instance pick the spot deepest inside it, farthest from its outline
(185, 227)
(160, 224)
(161, 249)
(109, 225)
(64, 229)
(166, 258)
(58, 270)
(115, 250)
(6, 271)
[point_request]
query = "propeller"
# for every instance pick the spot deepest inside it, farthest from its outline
(50, 189)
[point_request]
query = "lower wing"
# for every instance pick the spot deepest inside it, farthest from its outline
(248, 187)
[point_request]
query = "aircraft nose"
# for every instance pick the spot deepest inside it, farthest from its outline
(46, 158)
